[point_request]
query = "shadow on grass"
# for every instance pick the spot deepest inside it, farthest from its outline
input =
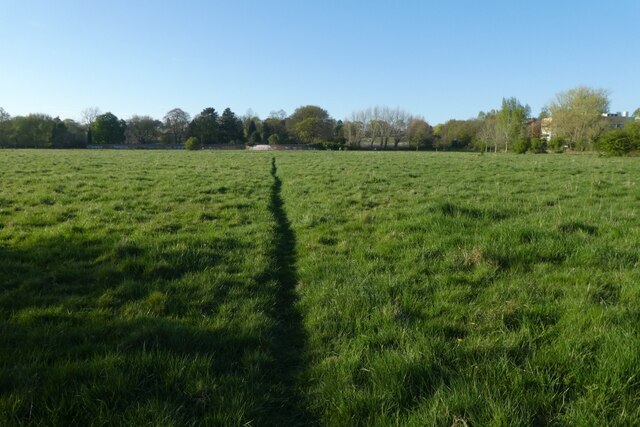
(76, 270)
(575, 227)
(288, 335)
(452, 210)
(68, 355)
(69, 369)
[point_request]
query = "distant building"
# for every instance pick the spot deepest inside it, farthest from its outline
(534, 128)
(614, 121)
(545, 128)
(617, 120)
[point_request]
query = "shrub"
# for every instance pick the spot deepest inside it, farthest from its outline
(192, 143)
(557, 144)
(332, 145)
(521, 146)
(538, 145)
(618, 143)
(632, 129)
(274, 139)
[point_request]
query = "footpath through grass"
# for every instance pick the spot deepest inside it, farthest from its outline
(318, 288)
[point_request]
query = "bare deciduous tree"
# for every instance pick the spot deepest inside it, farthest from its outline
(400, 121)
(89, 115)
(377, 125)
(4, 116)
(177, 122)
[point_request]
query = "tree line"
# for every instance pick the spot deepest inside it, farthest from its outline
(576, 119)
(307, 125)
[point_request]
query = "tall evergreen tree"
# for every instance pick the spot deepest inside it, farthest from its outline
(60, 137)
(252, 132)
(230, 127)
(205, 127)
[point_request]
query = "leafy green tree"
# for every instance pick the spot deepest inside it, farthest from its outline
(275, 126)
(457, 134)
(5, 127)
(420, 133)
(230, 127)
(306, 130)
(143, 130)
(636, 114)
(577, 116)
(60, 136)
(67, 134)
(32, 131)
(511, 123)
(176, 123)
(310, 123)
(205, 127)
(77, 133)
(108, 129)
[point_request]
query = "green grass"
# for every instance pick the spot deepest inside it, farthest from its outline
(318, 288)
(139, 288)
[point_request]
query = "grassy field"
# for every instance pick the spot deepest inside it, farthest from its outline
(318, 288)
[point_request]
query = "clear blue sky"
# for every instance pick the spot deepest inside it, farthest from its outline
(439, 59)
